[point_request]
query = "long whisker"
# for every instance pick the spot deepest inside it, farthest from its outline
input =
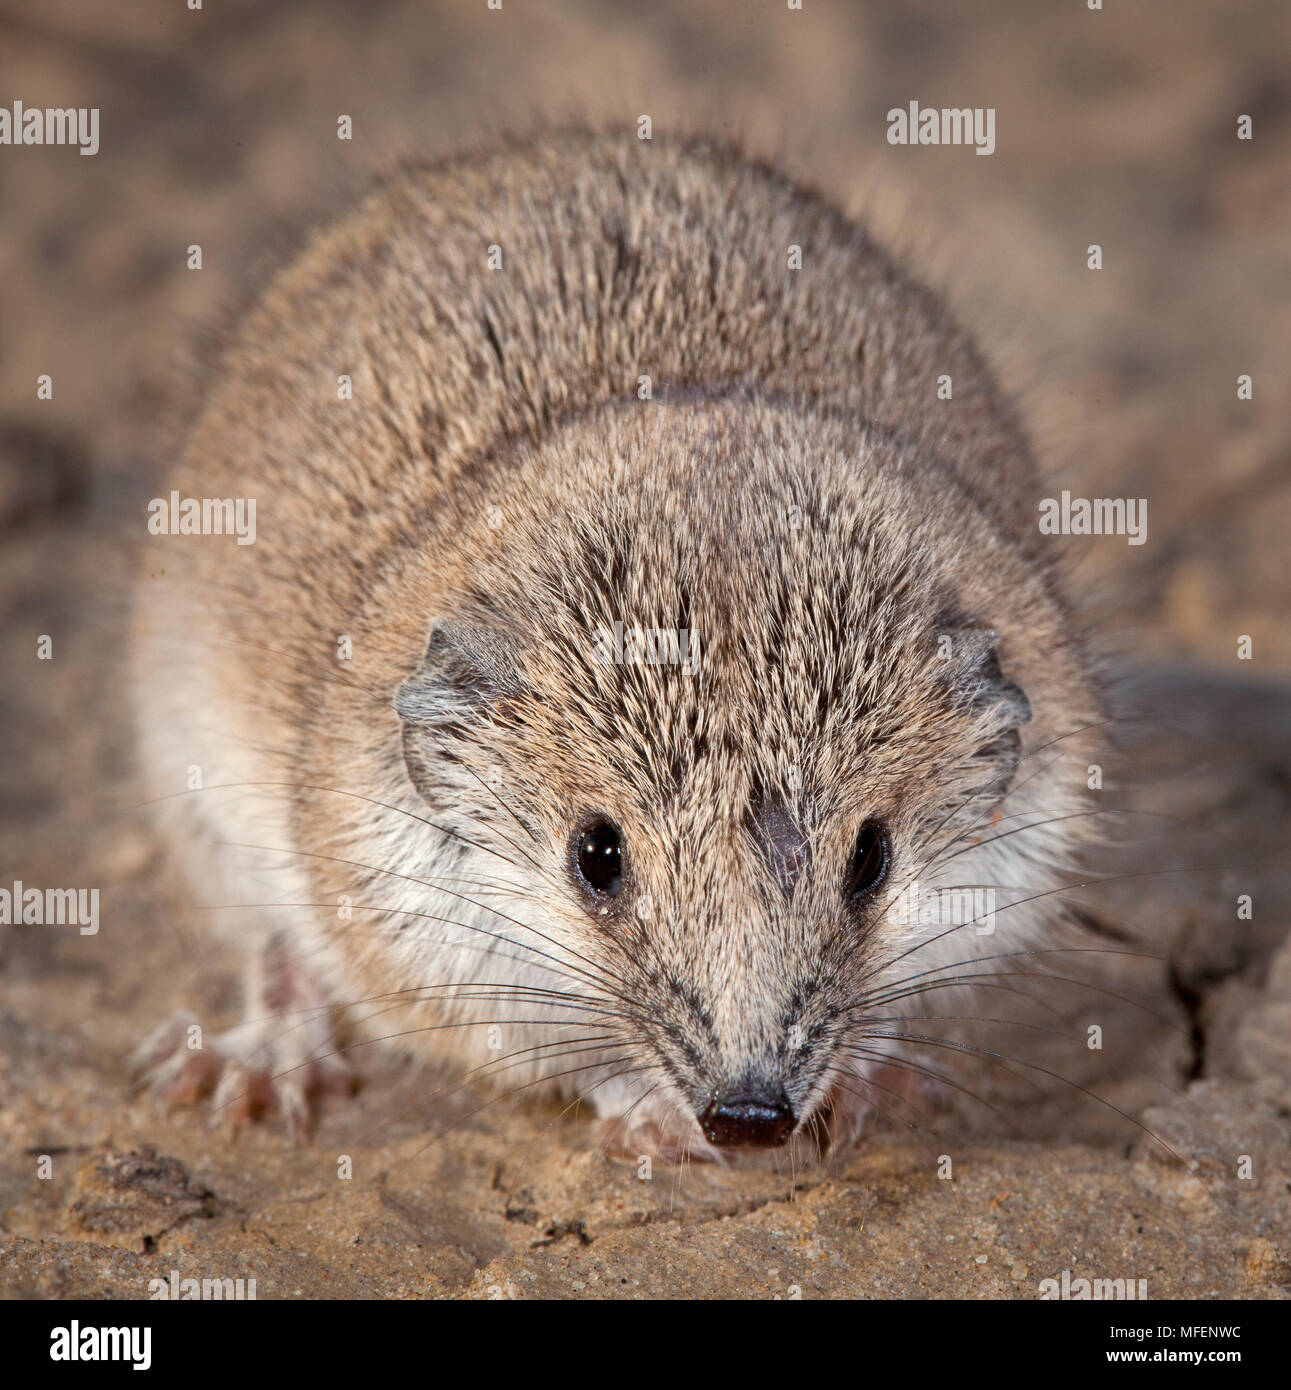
(1020, 786)
(333, 791)
(542, 1080)
(1017, 786)
(873, 1101)
(978, 981)
(900, 991)
(999, 1059)
(939, 863)
(528, 830)
(644, 1096)
(575, 1047)
(317, 1056)
(1064, 888)
(450, 921)
(1033, 951)
(484, 907)
(908, 1064)
(579, 1099)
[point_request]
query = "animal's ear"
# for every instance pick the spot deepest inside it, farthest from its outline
(468, 668)
(980, 687)
(973, 665)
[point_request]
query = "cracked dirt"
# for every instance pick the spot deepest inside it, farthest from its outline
(1116, 130)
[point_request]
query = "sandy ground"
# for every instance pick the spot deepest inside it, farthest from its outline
(1115, 127)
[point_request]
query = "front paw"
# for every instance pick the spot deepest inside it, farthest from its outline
(262, 1065)
(663, 1136)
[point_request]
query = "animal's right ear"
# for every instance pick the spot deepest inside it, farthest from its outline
(468, 668)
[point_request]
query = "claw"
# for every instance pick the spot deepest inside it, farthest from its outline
(247, 1072)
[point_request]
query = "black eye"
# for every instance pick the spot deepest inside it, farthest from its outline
(600, 859)
(869, 863)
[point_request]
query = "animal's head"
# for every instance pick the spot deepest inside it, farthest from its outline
(730, 700)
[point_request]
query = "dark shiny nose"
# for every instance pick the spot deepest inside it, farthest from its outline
(747, 1120)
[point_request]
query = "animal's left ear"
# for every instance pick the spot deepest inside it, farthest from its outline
(468, 668)
(980, 687)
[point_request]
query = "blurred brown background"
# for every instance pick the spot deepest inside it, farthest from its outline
(218, 127)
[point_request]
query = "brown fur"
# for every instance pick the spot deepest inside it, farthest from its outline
(794, 493)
